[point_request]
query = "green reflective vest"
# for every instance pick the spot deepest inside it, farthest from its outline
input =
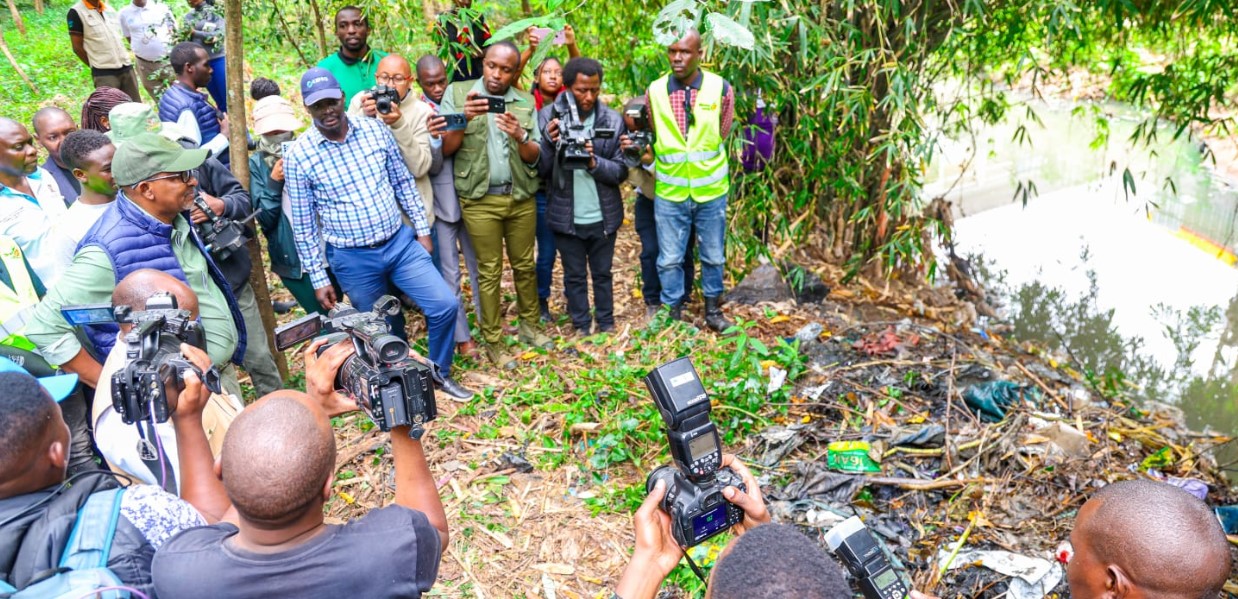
(695, 167)
(17, 299)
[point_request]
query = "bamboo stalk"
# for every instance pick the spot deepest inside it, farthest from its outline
(13, 61)
(17, 20)
(318, 27)
(234, 40)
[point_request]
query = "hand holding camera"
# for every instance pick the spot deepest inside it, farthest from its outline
(192, 398)
(198, 215)
(479, 104)
(383, 102)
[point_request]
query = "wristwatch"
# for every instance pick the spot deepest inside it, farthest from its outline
(525, 139)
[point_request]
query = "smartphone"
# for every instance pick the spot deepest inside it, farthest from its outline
(84, 314)
(456, 122)
(497, 105)
(559, 40)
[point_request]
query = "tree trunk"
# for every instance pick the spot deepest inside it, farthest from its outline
(13, 61)
(283, 25)
(239, 152)
(17, 20)
(38, 6)
(318, 26)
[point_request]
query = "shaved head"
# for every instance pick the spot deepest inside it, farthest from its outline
(429, 64)
(7, 124)
(142, 284)
(46, 114)
(1151, 539)
(277, 458)
(396, 64)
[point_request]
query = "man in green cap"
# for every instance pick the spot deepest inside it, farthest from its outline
(144, 228)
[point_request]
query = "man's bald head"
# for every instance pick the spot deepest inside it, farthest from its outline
(432, 77)
(18, 154)
(7, 125)
(395, 63)
(277, 458)
(394, 70)
(1147, 539)
(140, 285)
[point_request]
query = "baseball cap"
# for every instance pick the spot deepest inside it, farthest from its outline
(59, 386)
(319, 84)
(130, 119)
(149, 154)
(274, 113)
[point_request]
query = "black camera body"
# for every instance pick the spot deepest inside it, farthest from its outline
(153, 358)
(641, 137)
(392, 388)
(857, 548)
(221, 236)
(571, 150)
(694, 484)
(385, 97)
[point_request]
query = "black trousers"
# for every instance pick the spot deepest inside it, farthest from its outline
(647, 230)
(588, 253)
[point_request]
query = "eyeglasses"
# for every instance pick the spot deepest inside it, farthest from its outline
(392, 79)
(184, 176)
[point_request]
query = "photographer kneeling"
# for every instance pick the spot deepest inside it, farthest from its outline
(278, 466)
(130, 448)
(762, 561)
(582, 162)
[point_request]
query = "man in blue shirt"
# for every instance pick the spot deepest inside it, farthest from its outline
(349, 175)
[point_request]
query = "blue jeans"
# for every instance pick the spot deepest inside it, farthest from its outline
(218, 86)
(675, 221)
(545, 249)
(364, 274)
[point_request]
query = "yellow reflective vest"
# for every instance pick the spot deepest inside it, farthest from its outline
(17, 303)
(695, 167)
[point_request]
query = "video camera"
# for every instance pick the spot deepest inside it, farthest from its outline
(641, 137)
(385, 97)
(394, 389)
(694, 485)
(222, 236)
(858, 549)
(574, 136)
(152, 354)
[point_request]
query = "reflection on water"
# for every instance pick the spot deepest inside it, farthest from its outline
(1123, 286)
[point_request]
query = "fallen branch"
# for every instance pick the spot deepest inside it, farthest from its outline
(13, 61)
(915, 484)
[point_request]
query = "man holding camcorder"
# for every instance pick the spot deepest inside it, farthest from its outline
(143, 228)
(582, 164)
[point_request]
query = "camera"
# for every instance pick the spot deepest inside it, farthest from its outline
(694, 483)
(641, 136)
(394, 389)
(385, 97)
(571, 150)
(859, 551)
(152, 354)
(221, 236)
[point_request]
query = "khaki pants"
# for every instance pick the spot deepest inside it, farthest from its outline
(155, 77)
(126, 82)
(493, 221)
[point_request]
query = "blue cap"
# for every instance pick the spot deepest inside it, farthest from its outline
(319, 84)
(59, 386)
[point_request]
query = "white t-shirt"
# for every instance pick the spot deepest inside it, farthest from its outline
(149, 29)
(73, 228)
(32, 222)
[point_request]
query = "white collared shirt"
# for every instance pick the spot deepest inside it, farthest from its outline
(32, 223)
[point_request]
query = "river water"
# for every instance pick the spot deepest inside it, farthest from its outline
(1113, 282)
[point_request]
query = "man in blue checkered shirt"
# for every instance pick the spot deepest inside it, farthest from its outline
(345, 182)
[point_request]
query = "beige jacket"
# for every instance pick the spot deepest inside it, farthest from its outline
(413, 138)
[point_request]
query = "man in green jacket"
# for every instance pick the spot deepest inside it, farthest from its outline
(496, 159)
(355, 64)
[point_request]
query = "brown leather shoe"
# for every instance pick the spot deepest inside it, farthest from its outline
(468, 348)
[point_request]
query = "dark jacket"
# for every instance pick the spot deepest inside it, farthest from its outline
(133, 240)
(267, 197)
(31, 544)
(609, 174)
(215, 178)
(178, 98)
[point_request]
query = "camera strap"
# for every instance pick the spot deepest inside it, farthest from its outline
(695, 568)
(154, 458)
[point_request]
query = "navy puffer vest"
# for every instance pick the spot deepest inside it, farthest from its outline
(178, 98)
(133, 240)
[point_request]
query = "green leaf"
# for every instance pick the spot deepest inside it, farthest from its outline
(516, 27)
(726, 31)
(675, 20)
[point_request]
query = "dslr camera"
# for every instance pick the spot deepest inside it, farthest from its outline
(570, 151)
(152, 354)
(859, 550)
(694, 483)
(641, 137)
(385, 97)
(222, 236)
(392, 388)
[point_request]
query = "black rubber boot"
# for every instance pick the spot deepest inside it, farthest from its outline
(714, 319)
(675, 312)
(544, 304)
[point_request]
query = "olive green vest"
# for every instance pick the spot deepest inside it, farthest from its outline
(472, 164)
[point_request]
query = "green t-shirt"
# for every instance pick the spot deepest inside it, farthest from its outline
(355, 77)
(90, 279)
(587, 208)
